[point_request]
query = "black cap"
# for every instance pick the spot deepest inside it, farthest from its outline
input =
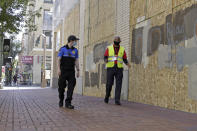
(72, 38)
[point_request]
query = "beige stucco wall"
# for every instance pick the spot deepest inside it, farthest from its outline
(71, 23)
(55, 47)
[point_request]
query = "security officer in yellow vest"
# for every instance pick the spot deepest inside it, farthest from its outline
(114, 57)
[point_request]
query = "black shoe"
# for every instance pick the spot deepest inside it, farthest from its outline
(69, 106)
(106, 100)
(118, 103)
(61, 104)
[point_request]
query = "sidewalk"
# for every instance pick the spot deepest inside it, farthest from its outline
(37, 110)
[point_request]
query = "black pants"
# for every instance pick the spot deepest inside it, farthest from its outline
(118, 74)
(66, 78)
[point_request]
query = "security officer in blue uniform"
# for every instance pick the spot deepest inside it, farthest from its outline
(68, 60)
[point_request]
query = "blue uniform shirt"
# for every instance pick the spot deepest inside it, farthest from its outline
(68, 52)
(68, 57)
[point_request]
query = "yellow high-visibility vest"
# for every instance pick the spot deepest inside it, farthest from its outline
(112, 57)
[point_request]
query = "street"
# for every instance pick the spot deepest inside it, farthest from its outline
(36, 109)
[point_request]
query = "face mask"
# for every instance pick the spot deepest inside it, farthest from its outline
(116, 42)
(74, 43)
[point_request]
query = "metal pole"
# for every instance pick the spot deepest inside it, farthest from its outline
(1, 43)
(1, 55)
(44, 62)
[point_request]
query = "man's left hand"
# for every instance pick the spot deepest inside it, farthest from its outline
(129, 66)
(78, 74)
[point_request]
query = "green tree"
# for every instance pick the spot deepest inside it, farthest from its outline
(15, 48)
(15, 51)
(16, 14)
(12, 15)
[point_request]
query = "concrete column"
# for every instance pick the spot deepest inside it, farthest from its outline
(37, 70)
(54, 76)
(122, 29)
(79, 88)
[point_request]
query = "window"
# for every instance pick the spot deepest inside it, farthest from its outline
(47, 20)
(48, 66)
(48, 39)
(48, 1)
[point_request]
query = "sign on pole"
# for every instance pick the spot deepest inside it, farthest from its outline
(48, 74)
(26, 59)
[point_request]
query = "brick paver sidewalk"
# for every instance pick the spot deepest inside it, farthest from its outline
(37, 110)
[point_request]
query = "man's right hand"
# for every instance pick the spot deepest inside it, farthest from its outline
(59, 72)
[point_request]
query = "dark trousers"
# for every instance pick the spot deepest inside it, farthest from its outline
(118, 74)
(66, 79)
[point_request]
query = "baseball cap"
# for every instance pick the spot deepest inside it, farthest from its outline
(72, 38)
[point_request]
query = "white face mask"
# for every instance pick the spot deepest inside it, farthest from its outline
(74, 43)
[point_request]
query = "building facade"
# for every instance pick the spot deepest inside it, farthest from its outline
(160, 40)
(34, 44)
(65, 13)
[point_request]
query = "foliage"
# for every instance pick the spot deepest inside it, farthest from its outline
(16, 14)
(11, 15)
(15, 49)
